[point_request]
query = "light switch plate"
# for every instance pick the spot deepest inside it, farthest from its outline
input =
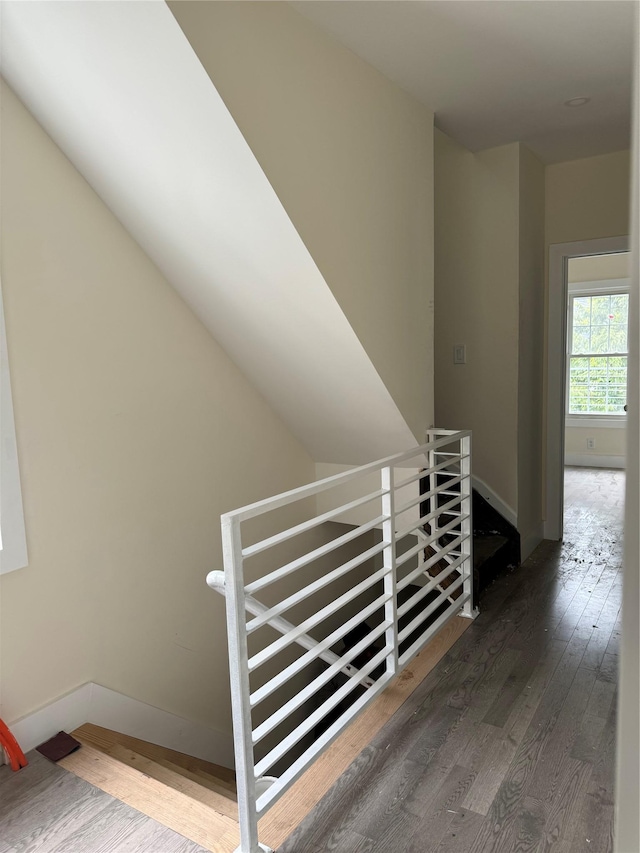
(459, 354)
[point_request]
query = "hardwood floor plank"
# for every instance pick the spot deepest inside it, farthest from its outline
(460, 833)
(587, 739)
(498, 758)
(595, 824)
(390, 820)
(107, 831)
(18, 788)
(62, 806)
(562, 821)
(487, 675)
(516, 682)
(495, 829)
(436, 816)
(149, 837)
(57, 812)
(347, 842)
(529, 700)
(604, 626)
(479, 740)
(528, 828)
(601, 698)
(608, 669)
(561, 738)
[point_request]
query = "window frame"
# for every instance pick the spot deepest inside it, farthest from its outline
(602, 287)
(13, 541)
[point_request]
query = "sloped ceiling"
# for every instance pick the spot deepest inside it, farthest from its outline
(119, 89)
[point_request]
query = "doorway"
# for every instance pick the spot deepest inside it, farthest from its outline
(586, 379)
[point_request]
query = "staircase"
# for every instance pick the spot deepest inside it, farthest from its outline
(193, 797)
(415, 624)
(197, 798)
(496, 544)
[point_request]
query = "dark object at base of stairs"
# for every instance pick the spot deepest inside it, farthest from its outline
(496, 544)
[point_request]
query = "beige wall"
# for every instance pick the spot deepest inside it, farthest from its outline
(608, 442)
(477, 299)
(135, 431)
(350, 157)
(530, 348)
(489, 238)
(587, 199)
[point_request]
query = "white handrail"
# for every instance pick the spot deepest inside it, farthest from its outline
(395, 461)
(363, 600)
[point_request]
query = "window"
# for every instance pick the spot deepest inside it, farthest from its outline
(597, 350)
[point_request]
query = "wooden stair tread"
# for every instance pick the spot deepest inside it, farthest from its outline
(100, 737)
(172, 778)
(172, 808)
(486, 547)
(203, 780)
(230, 787)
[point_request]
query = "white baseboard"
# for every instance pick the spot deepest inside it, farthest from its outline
(530, 542)
(495, 500)
(590, 460)
(64, 714)
(92, 703)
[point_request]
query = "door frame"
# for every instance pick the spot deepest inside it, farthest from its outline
(559, 256)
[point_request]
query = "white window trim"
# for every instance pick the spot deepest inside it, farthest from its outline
(587, 288)
(13, 541)
(597, 421)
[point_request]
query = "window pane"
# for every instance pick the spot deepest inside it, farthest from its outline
(579, 400)
(581, 311)
(581, 339)
(620, 308)
(600, 306)
(600, 338)
(597, 385)
(618, 337)
(618, 371)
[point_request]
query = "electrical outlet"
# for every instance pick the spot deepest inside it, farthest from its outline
(591, 444)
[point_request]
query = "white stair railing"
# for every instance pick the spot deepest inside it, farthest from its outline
(357, 590)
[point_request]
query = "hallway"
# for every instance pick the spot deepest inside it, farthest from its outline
(509, 744)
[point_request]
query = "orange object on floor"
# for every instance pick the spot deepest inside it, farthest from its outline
(12, 748)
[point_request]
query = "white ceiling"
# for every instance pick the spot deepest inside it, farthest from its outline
(499, 71)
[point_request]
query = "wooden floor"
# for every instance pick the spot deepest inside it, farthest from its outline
(508, 745)
(44, 808)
